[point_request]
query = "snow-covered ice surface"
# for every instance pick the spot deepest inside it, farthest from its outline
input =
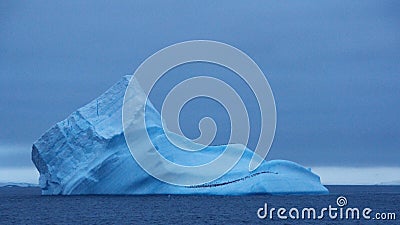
(87, 154)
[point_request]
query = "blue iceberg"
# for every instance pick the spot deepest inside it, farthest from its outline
(87, 154)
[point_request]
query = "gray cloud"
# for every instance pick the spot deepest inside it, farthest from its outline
(333, 67)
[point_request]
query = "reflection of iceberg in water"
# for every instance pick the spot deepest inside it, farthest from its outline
(87, 154)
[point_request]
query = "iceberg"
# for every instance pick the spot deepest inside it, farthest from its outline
(87, 154)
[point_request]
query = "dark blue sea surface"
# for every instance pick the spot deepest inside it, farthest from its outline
(27, 206)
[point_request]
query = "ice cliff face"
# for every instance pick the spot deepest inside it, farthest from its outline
(87, 154)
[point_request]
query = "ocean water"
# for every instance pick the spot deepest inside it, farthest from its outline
(27, 206)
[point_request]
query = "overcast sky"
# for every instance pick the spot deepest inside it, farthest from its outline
(333, 67)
